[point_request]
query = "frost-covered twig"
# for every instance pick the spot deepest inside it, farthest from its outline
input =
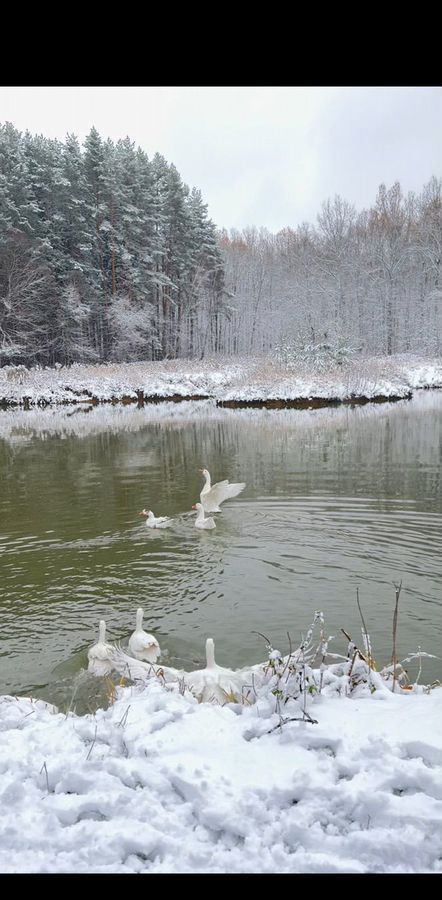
(45, 770)
(395, 617)
(365, 635)
(93, 743)
(304, 718)
(123, 719)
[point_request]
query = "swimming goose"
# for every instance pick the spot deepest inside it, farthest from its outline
(155, 521)
(212, 496)
(141, 644)
(98, 655)
(201, 521)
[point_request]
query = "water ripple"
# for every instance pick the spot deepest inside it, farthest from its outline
(325, 510)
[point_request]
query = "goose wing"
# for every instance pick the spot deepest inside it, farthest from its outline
(99, 651)
(141, 641)
(99, 659)
(221, 491)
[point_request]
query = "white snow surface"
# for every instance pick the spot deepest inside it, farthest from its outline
(234, 379)
(161, 783)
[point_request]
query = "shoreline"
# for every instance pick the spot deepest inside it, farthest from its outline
(92, 400)
(231, 383)
(311, 402)
(258, 403)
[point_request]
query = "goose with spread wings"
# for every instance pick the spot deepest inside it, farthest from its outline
(212, 496)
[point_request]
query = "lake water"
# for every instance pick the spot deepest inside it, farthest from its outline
(336, 499)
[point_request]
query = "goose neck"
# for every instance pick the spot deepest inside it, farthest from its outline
(210, 653)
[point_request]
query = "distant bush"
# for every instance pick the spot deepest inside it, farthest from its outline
(320, 356)
(14, 373)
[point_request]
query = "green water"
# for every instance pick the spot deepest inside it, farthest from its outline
(335, 499)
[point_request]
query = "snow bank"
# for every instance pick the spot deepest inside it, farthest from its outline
(160, 783)
(367, 378)
(104, 383)
(226, 380)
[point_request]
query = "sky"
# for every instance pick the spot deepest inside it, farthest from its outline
(265, 156)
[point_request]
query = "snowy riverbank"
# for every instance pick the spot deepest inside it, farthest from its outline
(229, 381)
(160, 783)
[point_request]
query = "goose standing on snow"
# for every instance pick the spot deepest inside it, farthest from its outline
(141, 644)
(201, 521)
(212, 497)
(209, 684)
(155, 521)
(214, 682)
(99, 654)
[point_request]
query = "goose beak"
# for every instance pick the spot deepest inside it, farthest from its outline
(193, 507)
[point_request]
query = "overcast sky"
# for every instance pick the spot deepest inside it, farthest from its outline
(260, 155)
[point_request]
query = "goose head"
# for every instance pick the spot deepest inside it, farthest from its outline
(146, 512)
(197, 506)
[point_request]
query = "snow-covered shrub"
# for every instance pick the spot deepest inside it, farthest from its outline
(15, 373)
(285, 687)
(320, 356)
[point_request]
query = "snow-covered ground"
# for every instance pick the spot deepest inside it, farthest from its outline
(161, 783)
(251, 379)
(114, 381)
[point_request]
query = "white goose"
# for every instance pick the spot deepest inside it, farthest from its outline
(214, 682)
(201, 521)
(141, 644)
(155, 521)
(212, 496)
(99, 654)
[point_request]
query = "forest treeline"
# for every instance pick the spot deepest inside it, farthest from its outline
(106, 254)
(368, 280)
